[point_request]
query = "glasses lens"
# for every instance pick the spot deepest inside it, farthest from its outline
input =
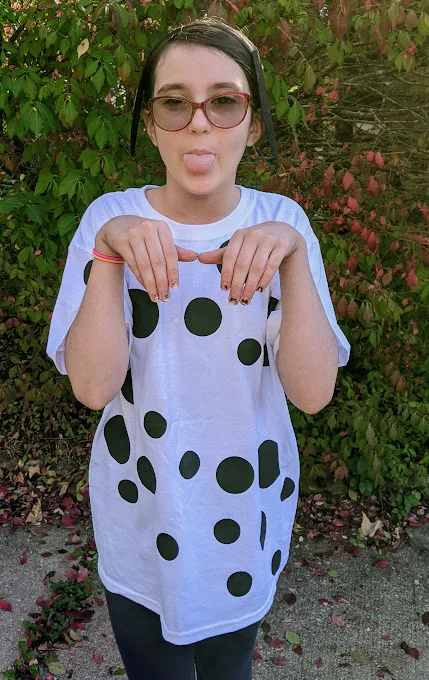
(225, 111)
(172, 114)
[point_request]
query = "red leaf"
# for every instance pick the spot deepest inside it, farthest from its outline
(318, 662)
(5, 606)
(285, 34)
(370, 156)
(412, 279)
(373, 186)
(324, 602)
(379, 160)
(353, 204)
(46, 554)
(338, 620)
(348, 180)
(97, 657)
(24, 558)
(256, 655)
(382, 564)
(337, 17)
(279, 660)
(234, 7)
(333, 95)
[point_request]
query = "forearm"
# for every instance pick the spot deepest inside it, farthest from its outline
(307, 358)
(96, 351)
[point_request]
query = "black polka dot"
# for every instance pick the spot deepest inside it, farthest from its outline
(239, 583)
(145, 313)
(146, 473)
(266, 359)
(117, 440)
(227, 531)
(223, 245)
(275, 562)
(249, 351)
(154, 424)
(235, 475)
(263, 529)
(128, 490)
(189, 465)
(269, 468)
(288, 488)
(272, 304)
(167, 546)
(127, 387)
(202, 316)
(87, 272)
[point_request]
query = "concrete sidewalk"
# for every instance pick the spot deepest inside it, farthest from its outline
(381, 608)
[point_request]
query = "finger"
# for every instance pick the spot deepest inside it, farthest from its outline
(137, 259)
(274, 262)
(170, 256)
(241, 268)
(230, 255)
(212, 256)
(256, 271)
(185, 255)
(158, 263)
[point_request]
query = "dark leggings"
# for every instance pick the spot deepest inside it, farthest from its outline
(148, 656)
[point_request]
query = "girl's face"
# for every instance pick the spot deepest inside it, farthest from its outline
(197, 69)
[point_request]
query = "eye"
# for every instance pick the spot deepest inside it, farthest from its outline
(173, 103)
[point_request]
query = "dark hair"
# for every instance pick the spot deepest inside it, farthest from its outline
(214, 33)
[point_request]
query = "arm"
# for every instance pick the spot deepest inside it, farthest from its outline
(307, 358)
(96, 350)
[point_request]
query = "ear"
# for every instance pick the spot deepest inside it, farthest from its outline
(256, 128)
(150, 126)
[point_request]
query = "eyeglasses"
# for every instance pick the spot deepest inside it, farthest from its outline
(226, 110)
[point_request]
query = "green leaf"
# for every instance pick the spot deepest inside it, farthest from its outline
(29, 87)
(293, 638)
(282, 108)
(309, 78)
(294, 114)
(66, 224)
(276, 91)
(65, 46)
(34, 213)
(102, 135)
(51, 38)
(68, 113)
(57, 668)
(91, 67)
(45, 178)
(98, 79)
(23, 255)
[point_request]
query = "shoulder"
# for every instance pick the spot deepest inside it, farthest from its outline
(279, 208)
(100, 211)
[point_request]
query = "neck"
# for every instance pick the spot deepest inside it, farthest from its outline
(181, 205)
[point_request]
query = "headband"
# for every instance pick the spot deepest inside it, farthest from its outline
(262, 95)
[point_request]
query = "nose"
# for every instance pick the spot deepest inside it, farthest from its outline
(199, 122)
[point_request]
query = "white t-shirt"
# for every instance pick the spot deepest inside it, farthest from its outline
(194, 468)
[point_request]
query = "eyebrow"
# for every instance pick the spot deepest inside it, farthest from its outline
(215, 86)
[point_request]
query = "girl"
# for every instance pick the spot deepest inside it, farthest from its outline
(194, 467)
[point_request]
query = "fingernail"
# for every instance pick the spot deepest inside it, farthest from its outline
(224, 286)
(232, 301)
(174, 284)
(166, 297)
(259, 289)
(244, 301)
(155, 298)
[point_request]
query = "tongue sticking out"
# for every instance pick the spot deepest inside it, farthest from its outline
(198, 162)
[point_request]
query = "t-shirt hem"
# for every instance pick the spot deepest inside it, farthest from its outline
(189, 638)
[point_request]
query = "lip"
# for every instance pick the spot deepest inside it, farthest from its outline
(199, 152)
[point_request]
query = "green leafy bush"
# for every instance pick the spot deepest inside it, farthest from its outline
(348, 86)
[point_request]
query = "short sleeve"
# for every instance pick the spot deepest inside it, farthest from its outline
(317, 269)
(73, 284)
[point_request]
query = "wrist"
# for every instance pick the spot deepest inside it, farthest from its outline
(103, 248)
